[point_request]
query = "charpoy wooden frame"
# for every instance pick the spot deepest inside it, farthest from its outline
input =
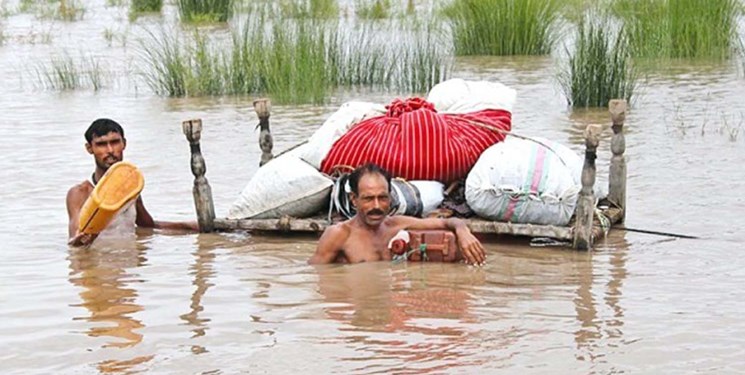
(581, 232)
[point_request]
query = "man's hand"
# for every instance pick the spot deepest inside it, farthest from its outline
(470, 246)
(82, 239)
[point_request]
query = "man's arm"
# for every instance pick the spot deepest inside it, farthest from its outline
(330, 244)
(471, 247)
(76, 197)
(146, 221)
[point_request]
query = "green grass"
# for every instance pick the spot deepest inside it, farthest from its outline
(504, 27)
(65, 10)
(145, 6)
(599, 68)
(428, 60)
(95, 73)
(5, 12)
(63, 73)
(373, 9)
(168, 64)
(205, 11)
(309, 9)
(681, 28)
(296, 62)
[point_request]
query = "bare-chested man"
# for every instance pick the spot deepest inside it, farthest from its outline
(365, 237)
(105, 141)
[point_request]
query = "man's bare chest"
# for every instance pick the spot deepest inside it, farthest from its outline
(366, 247)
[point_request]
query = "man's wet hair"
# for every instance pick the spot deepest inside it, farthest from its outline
(369, 168)
(101, 127)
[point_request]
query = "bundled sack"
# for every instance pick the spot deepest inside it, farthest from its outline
(523, 181)
(284, 186)
(415, 142)
(348, 115)
(460, 96)
(411, 198)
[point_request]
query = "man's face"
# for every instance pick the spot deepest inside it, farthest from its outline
(373, 200)
(107, 149)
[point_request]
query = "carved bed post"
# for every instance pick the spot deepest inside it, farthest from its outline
(266, 143)
(617, 174)
(586, 200)
(202, 191)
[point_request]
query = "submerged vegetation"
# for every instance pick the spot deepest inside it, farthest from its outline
(681, 28)
(599, 68)
(504, 27)
(145, 6)
(301, 51)
(295, 62)
(313, 9)
(373, 9)
(65, 10)
(64, 73)
(201, 11)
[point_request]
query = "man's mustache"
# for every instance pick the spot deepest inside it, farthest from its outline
(375, 212)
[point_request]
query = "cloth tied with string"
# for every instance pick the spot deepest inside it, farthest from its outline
(415, 142)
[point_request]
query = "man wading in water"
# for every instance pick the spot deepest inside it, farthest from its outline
(105, 141)
(365, 237)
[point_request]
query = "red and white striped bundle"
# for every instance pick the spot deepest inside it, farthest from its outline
(415, 142)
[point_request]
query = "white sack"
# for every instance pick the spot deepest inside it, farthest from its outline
(348, 115)
(460, 96)
(432, 194)
(284, 186)
(525, 182)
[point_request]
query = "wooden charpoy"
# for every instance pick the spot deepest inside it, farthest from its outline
(589, 222)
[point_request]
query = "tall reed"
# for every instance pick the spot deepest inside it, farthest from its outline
(296, 62)
(295, 65)
(429, 59)
(373, 9)
(145, 6)
(95, 73)
(168, 64)
(66, 10)
(504, 27)
(314, 9)
(681, 28)
(599, 68)
(70, 10)
(199, 11)
(60, 74)
(359, 59)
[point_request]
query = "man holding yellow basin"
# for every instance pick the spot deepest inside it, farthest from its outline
(110, 200)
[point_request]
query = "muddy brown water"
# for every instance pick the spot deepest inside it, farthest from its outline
(239, 303)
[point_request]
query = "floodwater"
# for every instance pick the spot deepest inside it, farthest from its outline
(240, 303)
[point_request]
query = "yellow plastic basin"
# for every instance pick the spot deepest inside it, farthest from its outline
(121, 185)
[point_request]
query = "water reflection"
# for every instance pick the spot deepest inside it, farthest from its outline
(601, 319)
(202, 272)
(381, 304)
(105, 274)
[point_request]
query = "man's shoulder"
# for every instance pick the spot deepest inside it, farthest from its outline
(338, 229)
(83, 188)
